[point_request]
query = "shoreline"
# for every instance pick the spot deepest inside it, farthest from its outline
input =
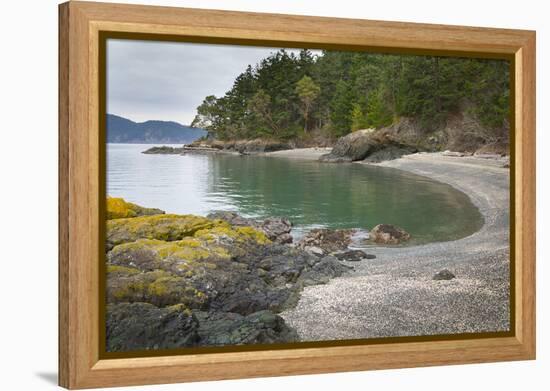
(394, 294)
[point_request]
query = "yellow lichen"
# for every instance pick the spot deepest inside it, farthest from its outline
(111, 269)
(117, 208)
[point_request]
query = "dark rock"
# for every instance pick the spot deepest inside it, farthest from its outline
(390, 153)
(353, 256)
(443, 275)
(263, 327)
(327, 268)
(142, 326)
(388, 234)
(328, 240)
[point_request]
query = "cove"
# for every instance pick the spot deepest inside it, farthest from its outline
(308, 193)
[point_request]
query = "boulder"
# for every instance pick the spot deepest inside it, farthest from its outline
(353, 256)
(351, 147)
(369, 145)
(444, 274)
(388, 234)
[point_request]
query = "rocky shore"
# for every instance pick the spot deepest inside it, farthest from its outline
(186, 281)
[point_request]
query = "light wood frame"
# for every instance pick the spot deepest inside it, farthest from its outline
(80, 23)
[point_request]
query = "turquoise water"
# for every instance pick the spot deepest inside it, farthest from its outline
(310, 194)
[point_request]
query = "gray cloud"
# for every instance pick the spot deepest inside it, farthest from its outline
(167, 81)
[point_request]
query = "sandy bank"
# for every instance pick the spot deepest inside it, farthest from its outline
(394, 294)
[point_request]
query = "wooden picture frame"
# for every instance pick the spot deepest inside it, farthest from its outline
(80, 27)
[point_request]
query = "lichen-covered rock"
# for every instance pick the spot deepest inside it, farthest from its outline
(166, 227)
(328, 240)
(276, 229)
(157, 287)
(388, 234)
(142, 326)
(230, 272)
(118, 208)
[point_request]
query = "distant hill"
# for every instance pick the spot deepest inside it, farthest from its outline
(123, 130)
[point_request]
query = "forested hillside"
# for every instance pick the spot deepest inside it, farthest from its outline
(292, 96)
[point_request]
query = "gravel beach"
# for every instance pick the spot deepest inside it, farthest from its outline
(395, 295)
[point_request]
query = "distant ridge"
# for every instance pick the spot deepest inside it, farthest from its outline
(123, 130)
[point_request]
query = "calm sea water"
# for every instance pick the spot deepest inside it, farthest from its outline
(310, 194)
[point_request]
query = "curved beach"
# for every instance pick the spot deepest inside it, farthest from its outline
(394, 294)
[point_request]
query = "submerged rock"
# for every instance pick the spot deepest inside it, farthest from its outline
(118, 208)
(388, 234)
(354, 256)
(444, 274)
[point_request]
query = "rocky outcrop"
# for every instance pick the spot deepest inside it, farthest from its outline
(388, 234)
(258, 145)
(229, 281)
(164, 150)
(143, 326)
(276, 229)
(327, 240)
(118, 208)
(373, 145)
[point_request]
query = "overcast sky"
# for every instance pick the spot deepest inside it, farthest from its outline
(167, 81)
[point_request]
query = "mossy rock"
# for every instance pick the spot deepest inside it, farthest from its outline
(118, 208)
(171, 228)
(168, 227)
(156, 287)
(151, 254)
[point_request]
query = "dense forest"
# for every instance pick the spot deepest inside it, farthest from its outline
(293, 95)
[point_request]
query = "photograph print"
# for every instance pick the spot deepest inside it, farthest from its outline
(263, 196)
